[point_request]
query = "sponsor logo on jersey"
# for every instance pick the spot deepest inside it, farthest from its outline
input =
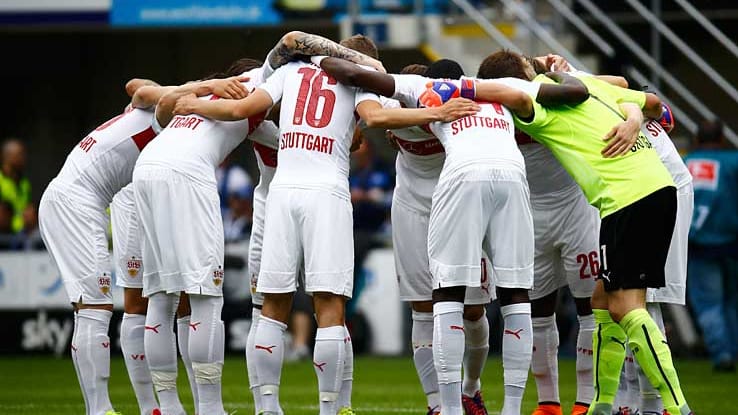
(705, 173)
(134, 266)
(104, 283)
(218, 276)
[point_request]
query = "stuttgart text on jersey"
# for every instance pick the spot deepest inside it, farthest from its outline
(479, 121)
(306, 141)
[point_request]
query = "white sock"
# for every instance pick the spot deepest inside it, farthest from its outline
(269, 347)
(250, 359)
(161, 350)
(206, 347)
(132, 347)
(631, 378)
(650, 399)
(183, 343)
(347, 383)
(328, 359)
(422, 339)
(448, 353)
(544, 363)
(91, 357)
(517, 348)
(585, 380)
(476, 334)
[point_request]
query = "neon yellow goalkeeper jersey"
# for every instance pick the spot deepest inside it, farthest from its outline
(575, 136)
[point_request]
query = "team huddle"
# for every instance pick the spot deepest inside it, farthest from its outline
(511, 184)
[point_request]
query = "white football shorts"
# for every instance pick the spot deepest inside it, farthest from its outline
(410, 247)
(126, 240)
(482, 207)
(183, 232)
(311, 225)
(567, 245)
(76, 237)
(676, 260)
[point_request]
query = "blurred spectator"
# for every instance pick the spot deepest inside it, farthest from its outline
(713, 244)
(14, 187)
(29, 238)
(232, 179)
(237, 218)
(371, 189)
(7, 236)
(371, 196)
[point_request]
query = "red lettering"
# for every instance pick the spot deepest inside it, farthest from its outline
(316, 143)
(654, 128)
(454, 128)
(330, 146)
(87, 143)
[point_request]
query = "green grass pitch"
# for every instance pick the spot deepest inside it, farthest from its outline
(44, 385)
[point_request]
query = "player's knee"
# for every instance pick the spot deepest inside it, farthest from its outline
(508, 296)
(134, 302)
(81, 306)
(184, 309)
(544, 306)
(277, 306)
(422, 306)
(455, 294)
(473, 312)
(207, 373)
(329, 309)
(584, 306)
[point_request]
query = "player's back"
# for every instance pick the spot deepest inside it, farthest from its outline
(715, 180)
(486, 138)
(574, 135)
(195, 145)
(102, 163)
(317, 121)
(547, 178)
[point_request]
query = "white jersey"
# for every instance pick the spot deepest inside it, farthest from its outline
(102, 163)
(487, 137)
(316, 127)
(667, 152)
(418, 165)
(195, 145)
(266, 142)
(547, 179)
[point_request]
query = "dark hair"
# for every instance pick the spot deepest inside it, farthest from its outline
(501, 64)
(414, 69)
(444, 68)
(236, 68)
(710, 131)
(363, 44)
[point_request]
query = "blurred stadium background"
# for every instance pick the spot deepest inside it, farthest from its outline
(65, 63)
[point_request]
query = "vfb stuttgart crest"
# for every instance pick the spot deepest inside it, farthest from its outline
(134, 266)
(254, 282)
(218, 276)
(104, 283)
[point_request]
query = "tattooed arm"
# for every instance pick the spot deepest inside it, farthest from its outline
(295, 44)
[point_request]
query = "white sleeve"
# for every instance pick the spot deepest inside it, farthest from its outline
(266, 134)
(530, 88)
(362, 95)
(408, 88)
(266, 69)
(274, 85)
(155, 123)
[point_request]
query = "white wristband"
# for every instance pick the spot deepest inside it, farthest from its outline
(317, 59)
